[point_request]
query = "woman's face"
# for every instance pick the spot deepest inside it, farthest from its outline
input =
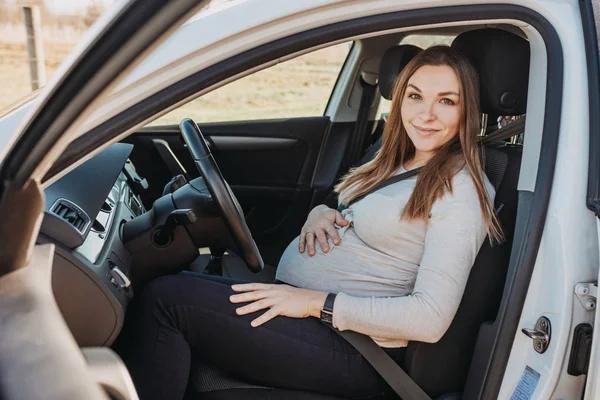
(431, 108)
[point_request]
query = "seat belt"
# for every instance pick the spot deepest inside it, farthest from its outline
(387, 182)
(513, 129)
(402, 384)
(368, 81)
(399, 381)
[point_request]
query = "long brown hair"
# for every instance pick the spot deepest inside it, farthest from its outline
(436, 177)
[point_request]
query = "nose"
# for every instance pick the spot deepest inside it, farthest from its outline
(427, 112)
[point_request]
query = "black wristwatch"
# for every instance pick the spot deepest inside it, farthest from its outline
(327, 310)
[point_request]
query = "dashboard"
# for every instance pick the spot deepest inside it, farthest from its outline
(84, 217)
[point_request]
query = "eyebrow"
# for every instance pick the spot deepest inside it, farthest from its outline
(439, 94)
(448, 93)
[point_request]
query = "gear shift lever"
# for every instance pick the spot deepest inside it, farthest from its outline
(162, 237)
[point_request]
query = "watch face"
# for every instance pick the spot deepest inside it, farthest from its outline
(326, 316)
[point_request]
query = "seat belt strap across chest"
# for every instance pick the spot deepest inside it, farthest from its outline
(388, 182)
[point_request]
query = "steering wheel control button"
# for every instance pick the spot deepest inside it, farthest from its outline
(118, 278)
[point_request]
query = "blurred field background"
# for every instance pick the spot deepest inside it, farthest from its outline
(60, 34)
(298, 87)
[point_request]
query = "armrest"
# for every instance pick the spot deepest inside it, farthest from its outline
(106, 367)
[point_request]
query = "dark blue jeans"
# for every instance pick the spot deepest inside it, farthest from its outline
(189, 315)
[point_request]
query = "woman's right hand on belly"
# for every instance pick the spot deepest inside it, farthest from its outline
(320, 224)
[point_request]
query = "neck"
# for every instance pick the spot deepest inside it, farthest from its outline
(419, 159)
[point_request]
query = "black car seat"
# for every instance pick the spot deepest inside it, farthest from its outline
(502, 60)
(441, 368)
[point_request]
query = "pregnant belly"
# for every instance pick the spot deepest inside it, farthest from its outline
(352, 267)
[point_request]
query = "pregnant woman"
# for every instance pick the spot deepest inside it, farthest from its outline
(392, 265)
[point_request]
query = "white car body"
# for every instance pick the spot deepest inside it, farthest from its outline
(569, 250)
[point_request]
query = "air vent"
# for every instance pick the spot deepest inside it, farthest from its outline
(71, 213)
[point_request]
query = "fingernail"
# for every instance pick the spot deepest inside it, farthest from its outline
(253, 324)
(325, 250)
(337, 242)
(311, 254)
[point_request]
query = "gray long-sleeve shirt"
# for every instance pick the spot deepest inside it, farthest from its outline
(397, 280)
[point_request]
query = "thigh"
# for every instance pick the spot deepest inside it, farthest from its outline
(301, 354)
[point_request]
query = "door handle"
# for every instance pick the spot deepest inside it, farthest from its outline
(540, 334)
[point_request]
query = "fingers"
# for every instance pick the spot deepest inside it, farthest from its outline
(255, 306)
(249, 296)
(310, 243)
(269, 315)
(248, 287)
(322, 237)
(333, 234)
(302, 242)
(321, 229)
(339, 219)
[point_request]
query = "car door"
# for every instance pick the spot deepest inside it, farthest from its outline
(38, 356)
(266, 132)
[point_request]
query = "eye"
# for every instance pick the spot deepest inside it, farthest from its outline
(414, 96)
(447, 101)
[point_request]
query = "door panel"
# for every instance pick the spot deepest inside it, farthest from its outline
(269, 165)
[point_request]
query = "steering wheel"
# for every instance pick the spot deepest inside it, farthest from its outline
(222, 195)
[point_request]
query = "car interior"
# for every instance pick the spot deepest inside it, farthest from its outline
(152, 205)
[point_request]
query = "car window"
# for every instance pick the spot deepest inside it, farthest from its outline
(424, 41)
(299, 87)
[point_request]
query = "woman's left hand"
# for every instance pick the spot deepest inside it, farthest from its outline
(283, 300)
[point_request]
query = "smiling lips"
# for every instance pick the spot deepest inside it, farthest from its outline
(425, 131)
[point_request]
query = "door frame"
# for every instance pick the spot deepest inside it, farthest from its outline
(532, 205)
(51, 363)
(588, 11)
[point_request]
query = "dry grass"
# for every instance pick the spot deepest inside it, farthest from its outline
(14, 69)
(295, 88)
(298, 87)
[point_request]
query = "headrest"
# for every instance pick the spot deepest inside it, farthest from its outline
(393, 61)
(502, 60)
